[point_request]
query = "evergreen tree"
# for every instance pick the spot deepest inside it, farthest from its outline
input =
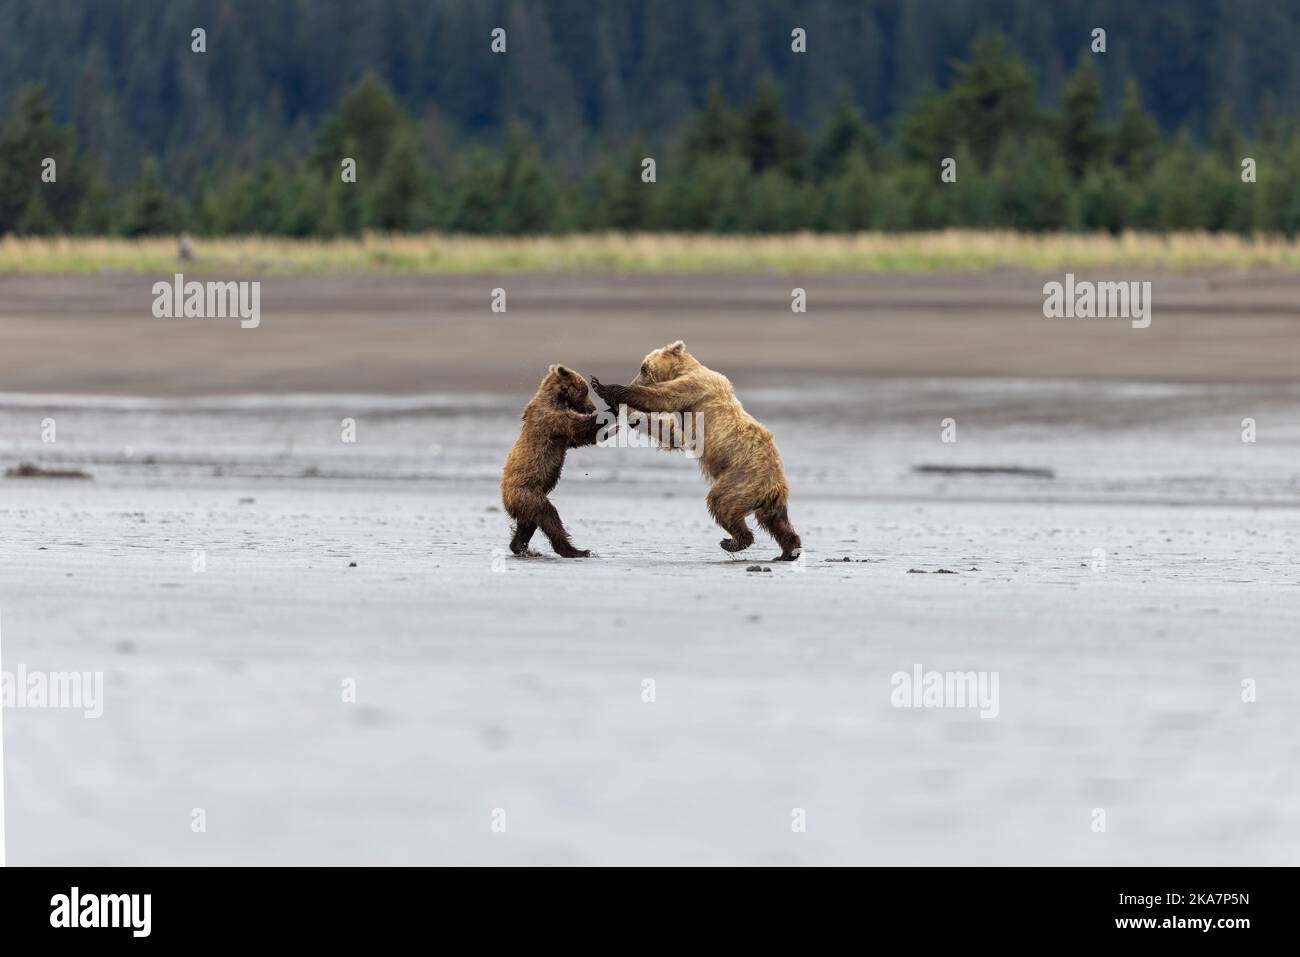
(845, 136)
(1033, 187)
(36, 219)
(306, 206)
(772, 204)
(992, 101)
(1105, 201)
(527, 198)
(1176, 206)
(475, 193)
(851, 197)
(1134, 141)
(1226, 141)
(95, 213)
(28, 202)
(714, 131)
(1081, 136)
(401, 188)
(767, 139)
(151, 211)
(366, 123)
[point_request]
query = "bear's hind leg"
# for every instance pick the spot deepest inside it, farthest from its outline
(741, 537)
(776, 523)
(548, 520)
(523, 535)
(731, 516)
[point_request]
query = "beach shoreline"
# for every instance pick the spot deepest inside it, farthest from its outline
(420, 334)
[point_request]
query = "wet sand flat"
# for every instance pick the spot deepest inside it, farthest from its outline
(484, 683)
(421, 334)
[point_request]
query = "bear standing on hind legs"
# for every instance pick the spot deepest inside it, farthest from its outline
(736, 452)
(561, 416)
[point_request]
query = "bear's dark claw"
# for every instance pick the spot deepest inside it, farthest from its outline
(600, 389)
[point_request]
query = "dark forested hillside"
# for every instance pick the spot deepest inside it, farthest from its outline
(122, 70)
(547, 136)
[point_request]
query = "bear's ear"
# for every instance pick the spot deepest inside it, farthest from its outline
(677, 346)
(562, 371)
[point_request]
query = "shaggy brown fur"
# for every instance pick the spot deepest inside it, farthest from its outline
(561, 416)
(738, 454)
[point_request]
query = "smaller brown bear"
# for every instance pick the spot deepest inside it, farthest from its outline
(561, 416)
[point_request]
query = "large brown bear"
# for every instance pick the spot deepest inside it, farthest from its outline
(736, 452)
(561, 416)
